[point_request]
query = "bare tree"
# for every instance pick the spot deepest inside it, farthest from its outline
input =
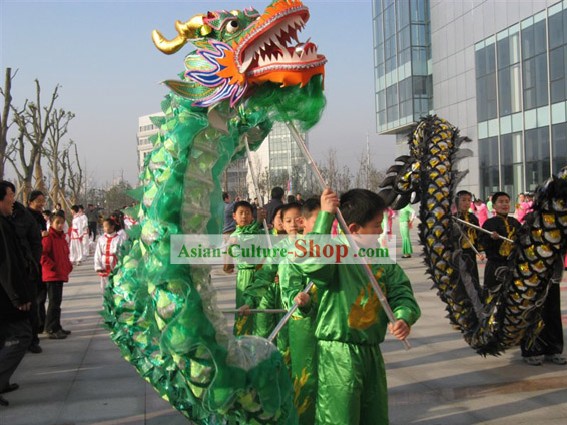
(4, 118)
(33, 122)
(72, 173)
(54, 152)
(330, 169)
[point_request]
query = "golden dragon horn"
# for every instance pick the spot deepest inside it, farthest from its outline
(192, 29)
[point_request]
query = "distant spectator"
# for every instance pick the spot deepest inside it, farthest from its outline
(92, 219)
(47, 214)
(85, 240)
(275, 201)
(298, 198)
(290, 199)
(480, 211)
(15, 295)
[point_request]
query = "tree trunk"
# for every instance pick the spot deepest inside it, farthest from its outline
(4, 120)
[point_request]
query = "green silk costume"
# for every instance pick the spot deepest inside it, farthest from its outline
(350, 326)
(296, 341)
(405, 215)
(244, 325)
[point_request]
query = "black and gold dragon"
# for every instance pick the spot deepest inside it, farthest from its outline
(510, 312)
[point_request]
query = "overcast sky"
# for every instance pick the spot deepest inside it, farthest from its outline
(102, 55)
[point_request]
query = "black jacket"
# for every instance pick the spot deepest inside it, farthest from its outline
(28, 230)
(14, 276)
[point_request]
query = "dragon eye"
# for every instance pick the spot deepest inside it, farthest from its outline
(232, 26)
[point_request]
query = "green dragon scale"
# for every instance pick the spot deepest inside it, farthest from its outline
(243, 76)
(511, 311)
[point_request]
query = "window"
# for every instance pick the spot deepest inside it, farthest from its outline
(557, 66)
(509, 90)
(512, 164)
(556, 30)
(537, 157)
(535, 82)
(419, 61)
(486, 97)
(418, 11)
(488, 162)
(559, 145)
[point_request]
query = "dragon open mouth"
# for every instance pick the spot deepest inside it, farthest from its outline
(266, 47)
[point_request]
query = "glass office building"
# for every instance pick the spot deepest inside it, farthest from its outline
(498, 72)
(521, 102)
(402, 53)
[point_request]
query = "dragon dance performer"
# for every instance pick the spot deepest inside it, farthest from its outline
(406, 216)
(245, 226)
(350, 320)
(280, 284)
(498, 250)
(469, 236)
(549, 343)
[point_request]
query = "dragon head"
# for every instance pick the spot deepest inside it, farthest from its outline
(239, 49)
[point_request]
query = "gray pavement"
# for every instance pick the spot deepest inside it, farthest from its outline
(83, 379)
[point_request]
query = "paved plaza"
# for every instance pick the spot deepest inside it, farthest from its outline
(83, 379)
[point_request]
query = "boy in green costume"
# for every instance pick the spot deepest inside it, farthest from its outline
(350, 320)
(245, 226)
(276, 285)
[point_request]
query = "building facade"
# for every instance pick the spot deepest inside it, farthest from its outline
(498, 73)
(146, 129)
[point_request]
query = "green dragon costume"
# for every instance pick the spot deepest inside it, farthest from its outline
(510, 311)
(243, 76)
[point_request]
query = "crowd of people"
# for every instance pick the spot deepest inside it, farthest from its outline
(38, 250)
(338, 322)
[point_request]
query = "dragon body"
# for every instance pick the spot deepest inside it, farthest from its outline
(242, 77)
(510, 312)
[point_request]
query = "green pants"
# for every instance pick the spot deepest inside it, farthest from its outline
(352, 386)
(406, 242)
(243, 325)
(265, 323)
(303, 347)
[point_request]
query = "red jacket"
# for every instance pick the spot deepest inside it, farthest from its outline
(55, 263)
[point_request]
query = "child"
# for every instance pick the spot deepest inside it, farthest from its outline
(55, 266)
(480, 211)
(350, 320)
(118, 219)
(276, 285)
(265, 291)
(406, 216)
(278, 228)
(106, 249)
(47, 214)
(245, 225)
(76, 231)
(85, 236)
(468, 236)
(498, 250)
